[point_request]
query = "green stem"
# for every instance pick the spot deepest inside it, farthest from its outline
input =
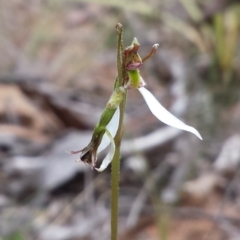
(116, 173)
(118, 138)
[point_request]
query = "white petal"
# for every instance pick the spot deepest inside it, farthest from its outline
(163, 115)
(112, 127)
(110, 154)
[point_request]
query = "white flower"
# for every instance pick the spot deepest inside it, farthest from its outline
(135, 81)
(163, 115)
(157, 110)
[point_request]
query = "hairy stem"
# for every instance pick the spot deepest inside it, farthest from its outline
(117, 139)
(116, 173)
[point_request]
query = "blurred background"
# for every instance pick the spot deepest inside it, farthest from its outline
(57, 69)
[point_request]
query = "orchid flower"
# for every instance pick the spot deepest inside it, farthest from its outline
(135, 81)
(103, 134)
(107, 127)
